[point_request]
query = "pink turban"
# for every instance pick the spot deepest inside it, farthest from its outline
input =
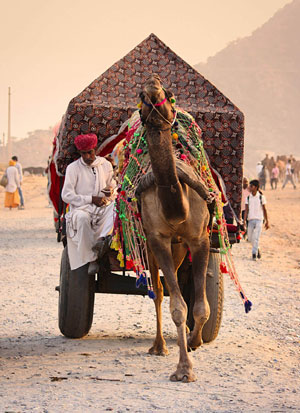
(86, 142)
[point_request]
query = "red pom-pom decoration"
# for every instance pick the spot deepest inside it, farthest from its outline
(123, 193)
(223, 268)
(129, 265)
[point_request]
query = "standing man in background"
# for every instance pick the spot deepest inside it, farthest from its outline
(255, 214)
(274, 176)
(288, 175)
(245, 194)
(20, 171)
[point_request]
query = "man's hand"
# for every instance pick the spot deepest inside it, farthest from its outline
(267, 226)
(99, 201)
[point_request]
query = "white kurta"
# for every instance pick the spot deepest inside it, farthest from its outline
(86, 222)
(13, 180)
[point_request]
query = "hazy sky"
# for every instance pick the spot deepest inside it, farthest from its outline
(52, 49)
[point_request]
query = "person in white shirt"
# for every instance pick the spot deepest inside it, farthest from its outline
(90, 190)
(288, 175)
(20, 171)
(255, 213)
(259, 167)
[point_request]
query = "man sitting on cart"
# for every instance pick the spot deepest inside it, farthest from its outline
(89, 189)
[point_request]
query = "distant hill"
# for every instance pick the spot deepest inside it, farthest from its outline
(33, 150)
(261, 75)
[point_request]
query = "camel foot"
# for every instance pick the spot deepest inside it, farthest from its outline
(158, 350)
(186, 375)
(194, 342)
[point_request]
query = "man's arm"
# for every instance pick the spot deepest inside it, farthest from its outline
(69, 194)
(246, 215)
(266, 217)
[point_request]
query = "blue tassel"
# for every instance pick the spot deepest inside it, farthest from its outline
(151, 294)
(248, 306)
(142, 280)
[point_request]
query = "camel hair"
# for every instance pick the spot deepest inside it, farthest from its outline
(170, 208)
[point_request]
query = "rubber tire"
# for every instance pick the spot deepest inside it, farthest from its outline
(215, 296)
(76, 299)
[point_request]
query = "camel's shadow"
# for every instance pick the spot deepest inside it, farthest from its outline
(97, 343)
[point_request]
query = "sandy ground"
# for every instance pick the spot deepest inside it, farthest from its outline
(252, 366)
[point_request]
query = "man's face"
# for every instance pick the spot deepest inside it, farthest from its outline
(88, 156)
(245, 183)
(253, 189)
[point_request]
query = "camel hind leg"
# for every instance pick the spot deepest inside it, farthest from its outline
(201, 311)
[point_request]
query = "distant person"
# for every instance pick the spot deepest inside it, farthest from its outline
(288, 175)
(274, 177)
(20, 171)
(258, 168)
(255, 214)
(12, 197)
(245, 194)
(262, 177)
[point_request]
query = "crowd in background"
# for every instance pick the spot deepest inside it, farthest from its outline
(283, 170)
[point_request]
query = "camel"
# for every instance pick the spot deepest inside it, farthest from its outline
(171, 209)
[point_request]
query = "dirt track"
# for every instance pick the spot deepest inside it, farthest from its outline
(253, 365)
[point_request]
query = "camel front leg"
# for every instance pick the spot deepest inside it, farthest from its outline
(201, 311)
(161, 249)
(159, 347)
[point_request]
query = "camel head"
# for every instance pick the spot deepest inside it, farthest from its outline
(157, 110)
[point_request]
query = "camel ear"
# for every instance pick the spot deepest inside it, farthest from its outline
(169, 94)
(142, 96)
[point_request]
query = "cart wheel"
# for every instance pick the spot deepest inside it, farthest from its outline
(215, 296)
(76, 299)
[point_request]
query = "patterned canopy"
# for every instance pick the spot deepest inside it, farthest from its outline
(109, 101)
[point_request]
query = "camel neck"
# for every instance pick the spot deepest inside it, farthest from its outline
(164, 170)
(162, 157)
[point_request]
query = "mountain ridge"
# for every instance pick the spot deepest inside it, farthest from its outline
(260, 74)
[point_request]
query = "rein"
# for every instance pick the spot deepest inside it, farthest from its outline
(171, 187)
